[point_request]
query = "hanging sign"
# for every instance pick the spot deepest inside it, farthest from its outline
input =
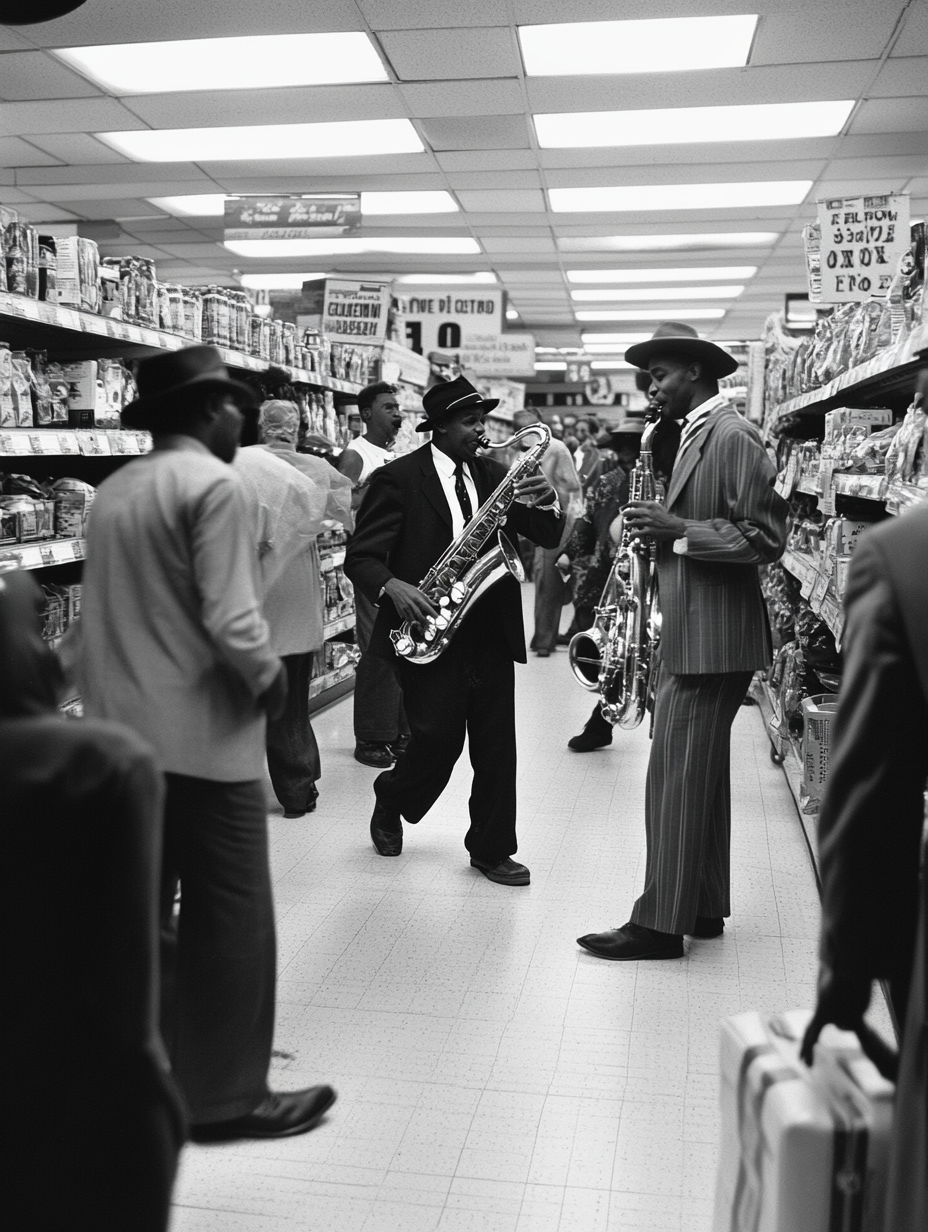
(861, 242)
(467, 324)
(291, 218)
(354, 310)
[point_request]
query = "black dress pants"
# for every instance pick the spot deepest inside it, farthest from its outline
(220, 977)
(292, 752)
(469, 690)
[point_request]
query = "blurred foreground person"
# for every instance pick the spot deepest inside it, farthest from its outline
(95, 1120)
(173, 643)
(870, 833)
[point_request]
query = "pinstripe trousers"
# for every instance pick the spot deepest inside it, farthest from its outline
(688, 800)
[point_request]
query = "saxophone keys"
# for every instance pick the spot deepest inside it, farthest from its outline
(458, 591)
(443, 621)
(444, 601)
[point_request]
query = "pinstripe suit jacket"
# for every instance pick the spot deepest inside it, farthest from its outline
(714, 617)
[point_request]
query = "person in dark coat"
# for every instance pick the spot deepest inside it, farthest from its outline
(414, 509)
(95, 1121)
(874, 910)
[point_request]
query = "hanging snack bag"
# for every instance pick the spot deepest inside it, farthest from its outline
(21, 391)
(21, 251)
(6, 386)
(58, 392)
(73, 499)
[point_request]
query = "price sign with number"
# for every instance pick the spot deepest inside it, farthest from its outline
(862, 241)
(47, 553)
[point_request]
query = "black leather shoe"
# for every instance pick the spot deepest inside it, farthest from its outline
(596, 735)
(632, 941)
(310, 807)
(507, 872)
(399, 745)
(369, 753)
(707, 926)
(280, 1115)
(386, 831)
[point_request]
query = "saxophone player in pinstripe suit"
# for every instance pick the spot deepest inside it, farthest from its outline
(721, 520)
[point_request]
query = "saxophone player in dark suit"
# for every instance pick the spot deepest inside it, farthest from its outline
(416, 506)
(721, 520)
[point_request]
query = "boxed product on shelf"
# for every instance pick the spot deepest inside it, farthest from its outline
(73, 500)
(48, 269)
(818, 712)
(77, 273)
(20, 247)
(907, 457)
(6, 385)
(110, 292)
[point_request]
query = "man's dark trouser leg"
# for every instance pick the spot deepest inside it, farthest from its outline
(378, 702)
(688, 800)
(550, 592)
(221, 1027)
(292, 753)
(469, 689)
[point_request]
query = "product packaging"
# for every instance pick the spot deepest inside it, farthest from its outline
(48, 269)
(6, 386)
(73, 500)
(78, 273)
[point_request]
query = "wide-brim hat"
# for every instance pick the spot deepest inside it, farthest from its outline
(169, 381)
(627, 427)
(675, 338)
(443, 401)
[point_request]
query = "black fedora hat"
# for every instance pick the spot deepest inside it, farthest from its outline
(675, 338)
(446, 399)
(166, 381)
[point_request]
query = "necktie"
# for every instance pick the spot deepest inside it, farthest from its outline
(460, 491)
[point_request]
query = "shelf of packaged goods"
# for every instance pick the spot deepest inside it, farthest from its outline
(71, 332)
(790, 751)
(340, 625)
(864, 487)
(43, 554)
(890, 369)
(903, 496)
(895, 495)
(331, 560)
(47, 442)
(321, 684)
(809, 486)
(813, 588)
(399, 363)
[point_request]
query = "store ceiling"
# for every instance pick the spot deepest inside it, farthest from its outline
(455, 70)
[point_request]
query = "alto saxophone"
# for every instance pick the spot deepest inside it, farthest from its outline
(615, 658)
(461, 574)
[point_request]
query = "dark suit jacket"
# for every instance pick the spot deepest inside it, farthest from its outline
(403, 527)
(714, 616)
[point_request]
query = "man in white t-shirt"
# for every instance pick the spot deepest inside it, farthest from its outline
(380, 727)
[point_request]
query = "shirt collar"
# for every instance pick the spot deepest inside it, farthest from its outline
(705, 408)
(444, 464)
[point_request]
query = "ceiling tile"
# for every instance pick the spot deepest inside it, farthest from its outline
(36, 74)
(432, 55)
(891, 115)
(670, 173)
(294, 105)
(914, 37)
(66, 116)
(121, 173)
(531, 277)
(524, 244)
(900, 78)
(894, 167)
(413, 14)
(860, 32)
(77, 148)
(119, 191)
(487, 160)
(494, 179)
(502, 200)
(109, 21)
(351, 173)
(502, 96)
(41, 212)
(110, 207)
(499, 132)
(14, 152)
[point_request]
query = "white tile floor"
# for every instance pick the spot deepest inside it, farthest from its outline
(492, 1077)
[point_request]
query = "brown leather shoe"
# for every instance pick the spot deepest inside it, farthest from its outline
(280, 1115)
(386, 831)
(631, 942)
(507, 872)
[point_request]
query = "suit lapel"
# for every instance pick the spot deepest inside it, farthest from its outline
(431, 486)
(684, 466)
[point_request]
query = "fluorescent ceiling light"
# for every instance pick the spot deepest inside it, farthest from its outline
(352, 245)
(550, 365)
(655, 45)
(609, 365)
(661, 243)
(427, 279)
(511, 314)
(277, 282)
(647, 314)
(679, 196)
(193, 205)
(687, 274)
(646, 293)
(687, 125)
(332, 139)
(248, 63)
(408, 203)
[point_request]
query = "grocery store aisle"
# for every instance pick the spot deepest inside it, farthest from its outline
(492, 1077)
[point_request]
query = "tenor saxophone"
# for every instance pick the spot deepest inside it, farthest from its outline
(615, 658)
(461, 574)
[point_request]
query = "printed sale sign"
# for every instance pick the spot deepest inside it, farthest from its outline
(862, 240)
(355, 311)
(468, 325)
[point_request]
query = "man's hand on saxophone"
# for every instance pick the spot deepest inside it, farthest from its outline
(409, 601)
(652, 519)
(535, 490)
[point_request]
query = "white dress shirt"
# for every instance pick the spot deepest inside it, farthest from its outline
(445, 465)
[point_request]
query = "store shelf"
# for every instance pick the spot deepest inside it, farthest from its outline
(70, 333)
(896, 496)
(890, 370)
(398, 363)
(341, 625)
(321, 684)
(864, 487)
(903, 496)
(44, 442)
(42, 555)
(813, 589)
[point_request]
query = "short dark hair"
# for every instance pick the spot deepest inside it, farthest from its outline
(370, 393)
